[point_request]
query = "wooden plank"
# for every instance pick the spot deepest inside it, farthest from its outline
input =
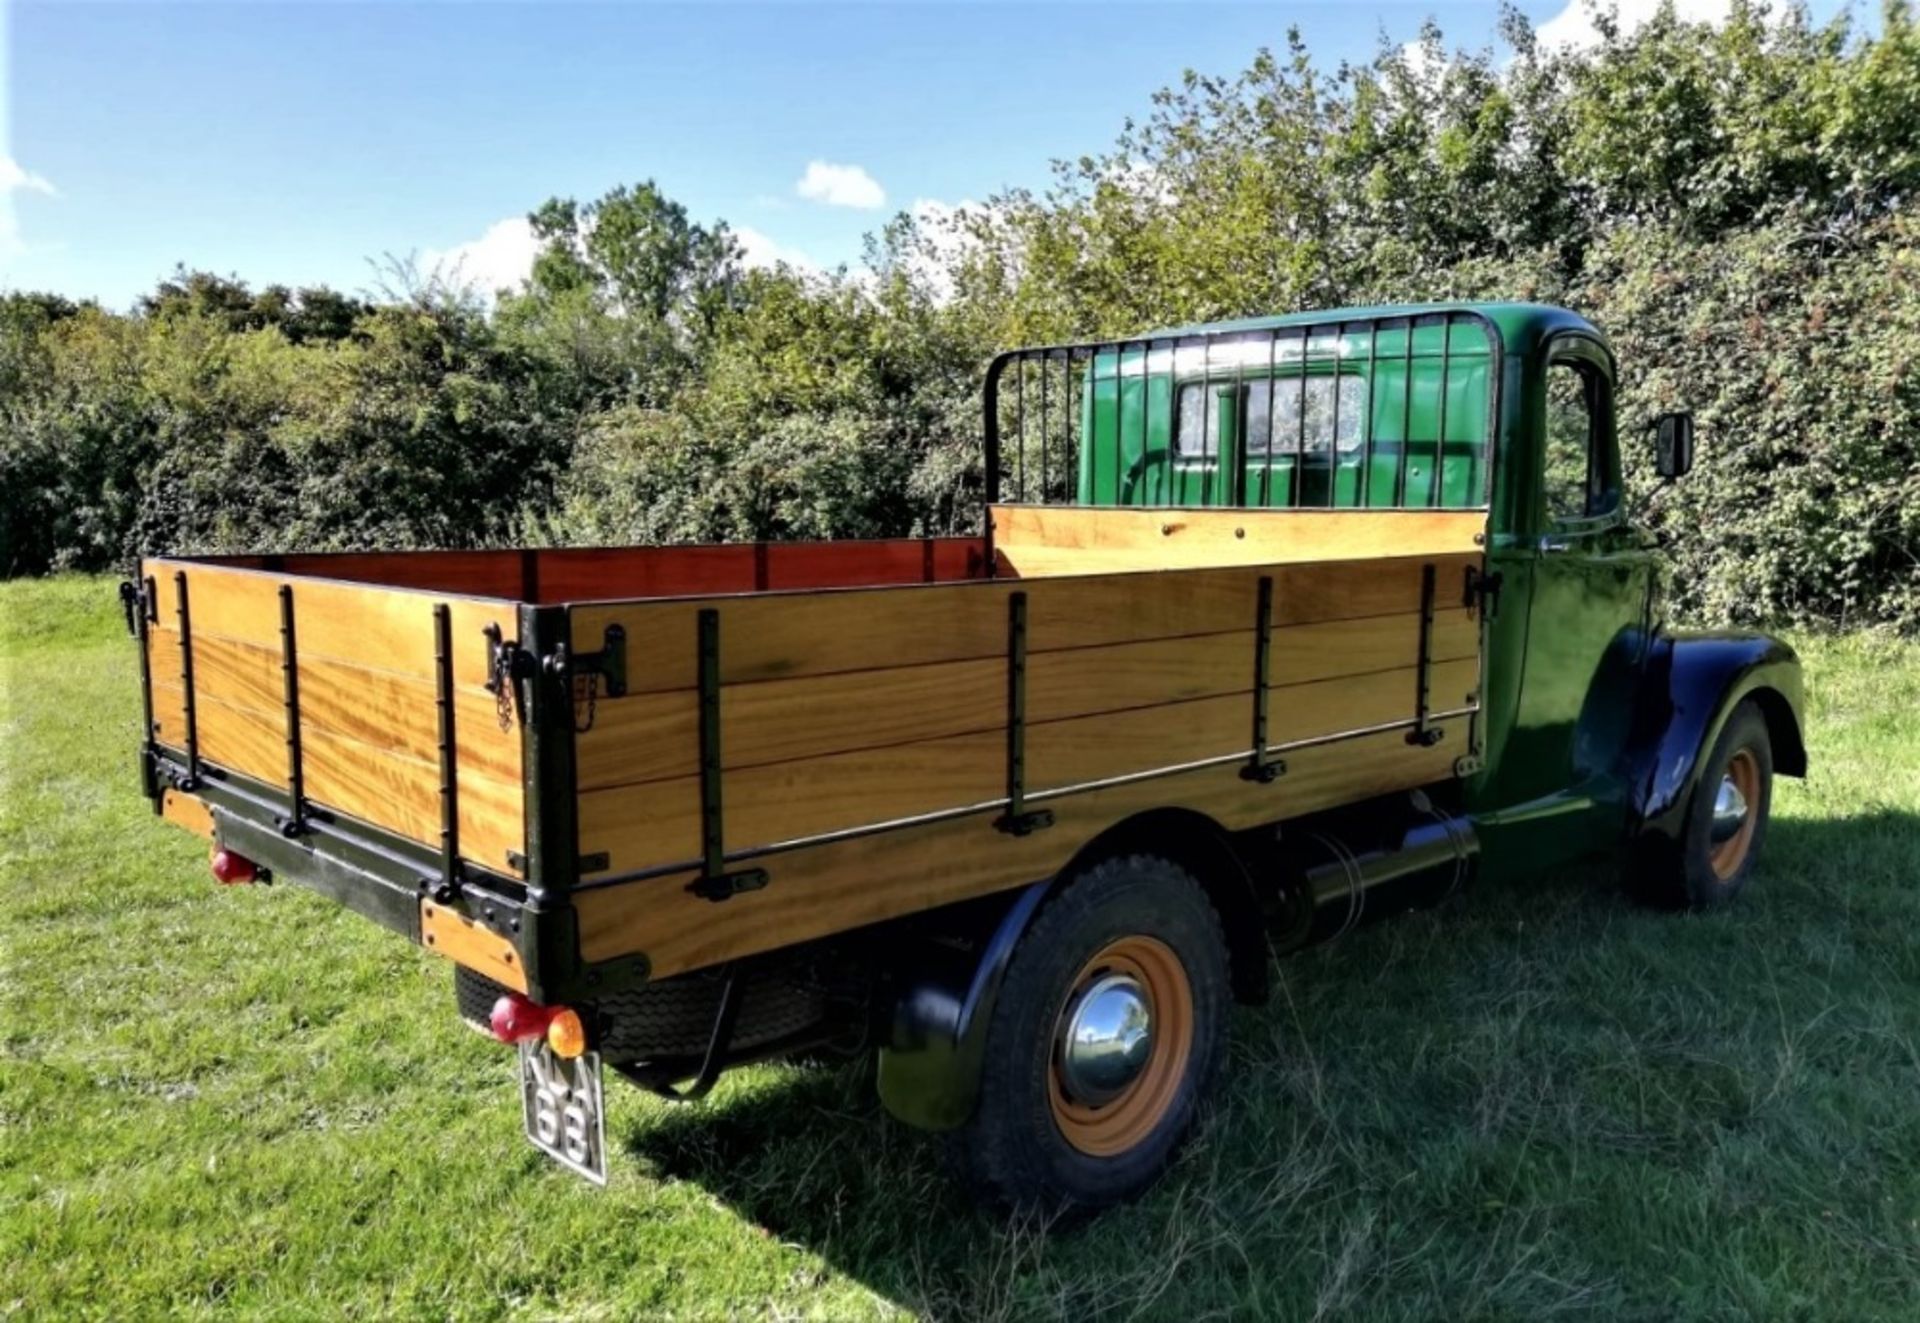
(1033, 541)
(386, 629)
(609, 573)
(467, 943)
(653, 737)
(834, 887)
(658, 823)
(186, 811)
(378, 708)
(775, 636)
(470, 573)
(383, 786)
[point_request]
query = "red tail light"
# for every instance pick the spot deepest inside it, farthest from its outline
(230, 869)
(517, 1020)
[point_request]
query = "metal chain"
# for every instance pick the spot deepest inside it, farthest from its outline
(593, 692)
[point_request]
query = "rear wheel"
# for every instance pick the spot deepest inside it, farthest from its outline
(1108, 1029)
(1726, 822)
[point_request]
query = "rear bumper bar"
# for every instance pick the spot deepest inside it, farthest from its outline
(378, 875)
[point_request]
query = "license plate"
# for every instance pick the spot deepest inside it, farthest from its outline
(563, 1107)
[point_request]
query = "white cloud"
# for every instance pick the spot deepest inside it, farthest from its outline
(502, 258)
(1573, 27)
(841, 186)
(16, 178)
(762, 250)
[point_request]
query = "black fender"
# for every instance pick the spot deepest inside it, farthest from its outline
(1694, 682)
(930, 1065)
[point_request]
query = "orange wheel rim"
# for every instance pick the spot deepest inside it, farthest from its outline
(1743, 770)
(1114, 1126)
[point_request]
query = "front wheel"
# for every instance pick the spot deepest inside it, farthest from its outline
(1108, 1030)
(1726, 822)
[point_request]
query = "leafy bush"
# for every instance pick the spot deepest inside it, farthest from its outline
(1733, 204)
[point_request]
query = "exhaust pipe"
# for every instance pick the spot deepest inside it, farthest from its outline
(1342, 884)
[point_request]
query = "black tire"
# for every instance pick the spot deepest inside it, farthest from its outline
(1016, 1151)
(1700, 872)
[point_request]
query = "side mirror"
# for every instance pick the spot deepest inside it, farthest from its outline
(1673, 444)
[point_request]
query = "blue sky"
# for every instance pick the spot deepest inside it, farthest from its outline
(293, 143)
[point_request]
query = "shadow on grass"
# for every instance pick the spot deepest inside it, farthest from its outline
(808, 1154)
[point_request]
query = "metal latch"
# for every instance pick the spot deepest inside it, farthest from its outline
(507, 664)
(585, 672)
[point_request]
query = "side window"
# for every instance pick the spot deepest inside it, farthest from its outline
(1272, 409)
(1576, 479)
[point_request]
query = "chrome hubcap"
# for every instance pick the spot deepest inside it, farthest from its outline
(1729, 811)
(1106, 1039)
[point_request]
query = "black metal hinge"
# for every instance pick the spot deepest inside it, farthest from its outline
(1482, 592)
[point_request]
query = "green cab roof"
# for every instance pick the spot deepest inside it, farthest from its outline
(1521, 325)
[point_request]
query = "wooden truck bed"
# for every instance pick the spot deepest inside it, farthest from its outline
(822, 735)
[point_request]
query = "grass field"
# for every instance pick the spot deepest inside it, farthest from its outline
(1534, 1102)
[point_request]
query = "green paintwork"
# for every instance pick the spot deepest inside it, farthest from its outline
(1567, 649)
(1397, 397)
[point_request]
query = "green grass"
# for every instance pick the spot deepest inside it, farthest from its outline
(1535, 1101)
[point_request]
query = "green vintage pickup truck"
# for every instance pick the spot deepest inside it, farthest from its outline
(1272, 627)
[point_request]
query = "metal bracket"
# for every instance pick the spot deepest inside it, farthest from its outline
(1018, 820)
(1482, 595)
(610, 663)
(1422, 734)
(717, 887)
(1467, 764)
(1261, 768)
(131, 606)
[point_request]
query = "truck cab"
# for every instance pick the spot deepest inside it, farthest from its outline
(1591, 699)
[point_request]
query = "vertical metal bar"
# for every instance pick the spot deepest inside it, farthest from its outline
(1300, 411)
(1173, 421)
(1067, 432)
(1421, 733)
(1366, 462)
(1237, 480)
(712, 839)
(1273, 401)
(185, 619)
(1018, 820)
(449, 745)
(1020, 452)
(1045, 439)
(1406, 422)
(142, 593)
(1333, 439)
(1259, 767)
(1437, 490)
(290, 690)
(1209, 419)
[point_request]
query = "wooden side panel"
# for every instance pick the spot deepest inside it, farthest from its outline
(843, 710)
(1040, 541)
(784, 636)
(832, 887)
(369, 723)
(655, 737)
